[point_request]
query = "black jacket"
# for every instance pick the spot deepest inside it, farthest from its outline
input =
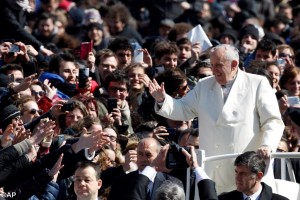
(266, 194)
(124, 186)
(12, 24)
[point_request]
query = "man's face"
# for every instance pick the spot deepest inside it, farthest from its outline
(223, 69)
(68, 71)
(112, 135)
(204, 72)
(115, 25)
(30, 111)
(245, 180)
(73, 117)
(249, 42)
(107, 66)
(264, 55)
(185, 52)
(51, 6)
(193, 141)
(124, 58)
(168, 61)
(119, 91)
(86, 184)
(46, 27)
(146, 153)
(18, 75)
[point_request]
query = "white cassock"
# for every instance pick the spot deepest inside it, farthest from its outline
(249, 119)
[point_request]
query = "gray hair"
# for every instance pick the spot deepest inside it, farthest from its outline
(231, 53)
(169, 191)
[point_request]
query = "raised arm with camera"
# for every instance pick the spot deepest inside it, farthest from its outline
(206, 186)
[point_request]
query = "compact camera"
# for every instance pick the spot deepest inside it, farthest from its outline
(175, 158)
(68, 107)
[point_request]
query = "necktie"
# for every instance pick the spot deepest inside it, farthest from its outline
(149, 190)
(247, 198)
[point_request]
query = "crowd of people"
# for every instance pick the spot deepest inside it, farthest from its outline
(94, 95)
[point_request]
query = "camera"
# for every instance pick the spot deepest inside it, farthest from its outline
(175, 158)
(68, 107)
(83, 77)
(111, 104)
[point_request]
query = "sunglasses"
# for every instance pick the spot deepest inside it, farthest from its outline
(40, 93)
(283, 55)
(34, 111)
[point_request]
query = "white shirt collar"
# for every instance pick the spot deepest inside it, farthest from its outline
(254, 196)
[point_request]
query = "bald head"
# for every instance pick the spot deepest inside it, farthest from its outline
(147, 150)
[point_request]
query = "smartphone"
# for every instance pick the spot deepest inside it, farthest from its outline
(280, 61)
(293, 100)
(85, 49)
(83, 77)
(14, 48)
(111, 104)
(138, 56)
(67, 107)
(11, 78)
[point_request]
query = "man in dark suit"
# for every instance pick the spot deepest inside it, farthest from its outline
(249, 168)
(249, 171)
(123, 186)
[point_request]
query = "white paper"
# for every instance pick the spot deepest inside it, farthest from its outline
(197, 34)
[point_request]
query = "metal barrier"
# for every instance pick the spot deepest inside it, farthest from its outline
(202, 159)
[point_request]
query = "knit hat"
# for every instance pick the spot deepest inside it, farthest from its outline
(230, 33)
(7, 115)
(93, 15)
(249, 29)
(95, 25)
(294, 114)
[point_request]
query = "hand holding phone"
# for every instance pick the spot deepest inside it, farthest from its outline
(293, 100)
(83, 77)
(14, 48)
(111, 104)
(85, 49)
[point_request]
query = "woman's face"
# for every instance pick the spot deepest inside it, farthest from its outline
(293, 86)
(92, 109)
(95, 34)
(73, 116)
(275, 73)
(135, 76)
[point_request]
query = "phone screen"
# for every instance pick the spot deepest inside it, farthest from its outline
(85, 49)
(14, 48)
(111, 104)
(293, 100)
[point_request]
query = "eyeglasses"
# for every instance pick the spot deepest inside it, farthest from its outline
(40, 93)
(112, 138)
(34, 111)
(116, 89)
(283, 55)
